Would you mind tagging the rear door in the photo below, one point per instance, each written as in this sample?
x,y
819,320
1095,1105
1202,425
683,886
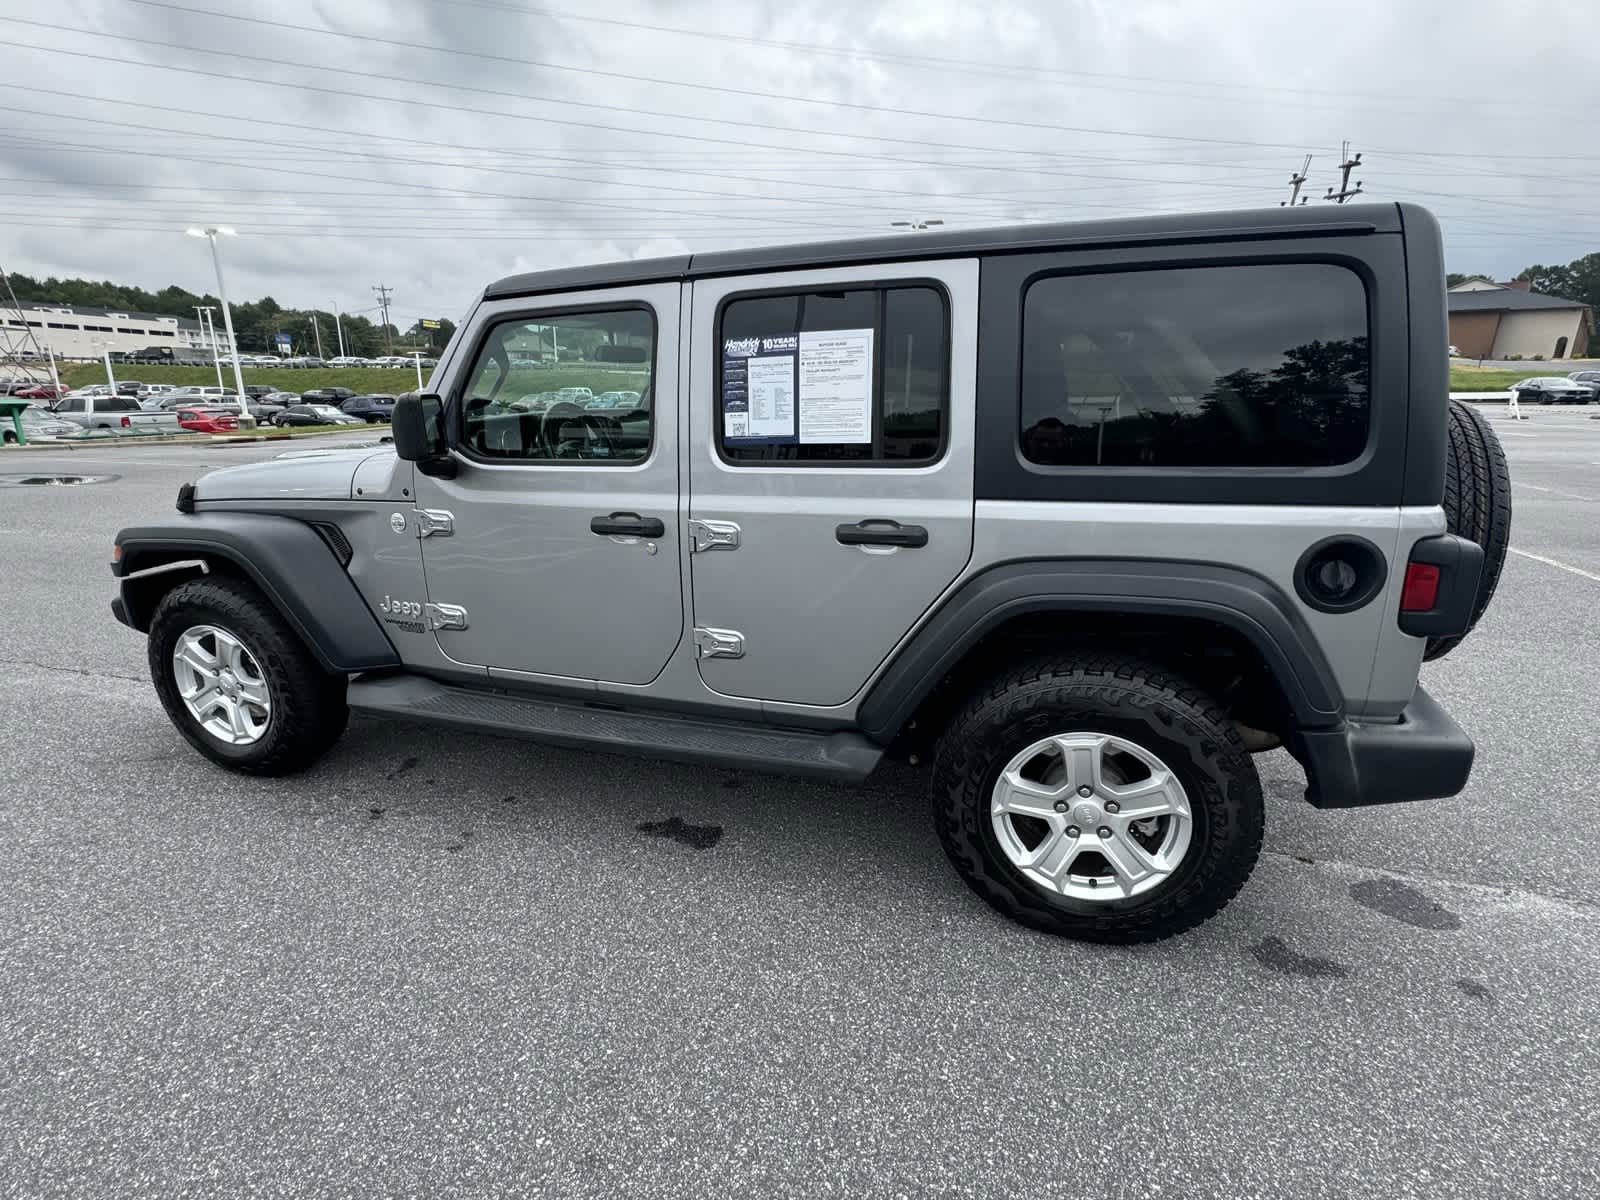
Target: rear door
x,y
554,550
830,469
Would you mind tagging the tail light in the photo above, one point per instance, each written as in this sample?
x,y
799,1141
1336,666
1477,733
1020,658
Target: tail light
x,y
1421,590
1439,592
127,424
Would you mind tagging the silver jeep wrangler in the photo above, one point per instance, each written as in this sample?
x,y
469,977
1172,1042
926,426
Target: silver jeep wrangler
x,y
1082,515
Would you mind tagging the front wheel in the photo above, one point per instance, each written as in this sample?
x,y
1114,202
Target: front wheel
x,y
238,683
1100,798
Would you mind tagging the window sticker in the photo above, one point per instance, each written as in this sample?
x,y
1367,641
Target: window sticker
x,y
758,389
836,386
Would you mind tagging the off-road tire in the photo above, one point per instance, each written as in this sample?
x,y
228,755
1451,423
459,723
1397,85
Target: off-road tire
x,y
308,704
1477,506
1128,698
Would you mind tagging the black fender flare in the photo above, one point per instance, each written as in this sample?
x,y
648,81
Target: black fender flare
x,y
286,558
1246,603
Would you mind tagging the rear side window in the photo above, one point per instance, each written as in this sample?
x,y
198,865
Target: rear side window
x,y
856,375
1237,366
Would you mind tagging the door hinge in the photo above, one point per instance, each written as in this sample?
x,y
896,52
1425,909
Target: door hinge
x,y
432,521
446,616
713,535
718,643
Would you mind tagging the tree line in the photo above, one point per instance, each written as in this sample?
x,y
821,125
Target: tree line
x,y
255,323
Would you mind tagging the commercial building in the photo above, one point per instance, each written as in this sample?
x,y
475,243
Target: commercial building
x,y
75,332
1506,320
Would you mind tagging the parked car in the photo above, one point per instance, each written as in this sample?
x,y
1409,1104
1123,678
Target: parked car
x,y
1553,389
1085,618
315,414
347,360
1589,377
258,390
372,409
192,396
102,411
208,420
614,400
40,391
329,395
38,425
158,419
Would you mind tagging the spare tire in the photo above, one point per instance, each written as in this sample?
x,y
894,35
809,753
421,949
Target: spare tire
x,y
1477,505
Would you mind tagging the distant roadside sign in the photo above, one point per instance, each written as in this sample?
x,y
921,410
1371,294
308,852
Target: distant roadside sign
x,y
427,323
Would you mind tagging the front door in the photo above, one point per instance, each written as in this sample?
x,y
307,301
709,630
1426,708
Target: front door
x,y
831,469
554,550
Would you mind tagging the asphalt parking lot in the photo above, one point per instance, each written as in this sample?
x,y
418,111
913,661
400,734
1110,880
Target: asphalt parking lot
x,y
455,966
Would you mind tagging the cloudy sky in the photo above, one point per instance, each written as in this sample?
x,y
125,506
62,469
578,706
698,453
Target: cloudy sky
x,y
432,145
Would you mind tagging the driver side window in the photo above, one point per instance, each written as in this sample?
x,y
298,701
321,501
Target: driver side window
x,y
569,387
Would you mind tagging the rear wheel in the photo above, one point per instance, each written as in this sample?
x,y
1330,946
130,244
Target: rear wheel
x,y
1098,798
1477,505
238,682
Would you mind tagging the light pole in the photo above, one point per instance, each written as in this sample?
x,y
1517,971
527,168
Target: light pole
x,y
920,223
203,314
105,356
55,377
416,356
338,330
210,233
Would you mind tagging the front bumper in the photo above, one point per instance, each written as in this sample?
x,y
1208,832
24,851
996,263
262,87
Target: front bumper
x,y
1423,756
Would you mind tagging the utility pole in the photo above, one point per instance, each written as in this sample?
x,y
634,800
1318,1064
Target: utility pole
x,y
316,332
383,303
338,330
1346,192
1296,182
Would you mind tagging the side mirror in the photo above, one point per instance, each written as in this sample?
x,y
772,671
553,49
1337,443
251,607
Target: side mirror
x,y
417,426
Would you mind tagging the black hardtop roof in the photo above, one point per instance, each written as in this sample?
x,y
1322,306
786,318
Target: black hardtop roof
x,y
1239,225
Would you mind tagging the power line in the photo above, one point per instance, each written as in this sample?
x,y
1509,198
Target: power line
x,y
544,64
345,71
344,153
1007,70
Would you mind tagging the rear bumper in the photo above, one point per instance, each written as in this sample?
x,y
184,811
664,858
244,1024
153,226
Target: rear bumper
x,y
1423,756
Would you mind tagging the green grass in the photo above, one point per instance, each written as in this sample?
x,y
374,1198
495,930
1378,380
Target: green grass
x,y
394,380
1495,379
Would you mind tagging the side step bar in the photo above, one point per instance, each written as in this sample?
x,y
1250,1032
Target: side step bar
x,y
840,756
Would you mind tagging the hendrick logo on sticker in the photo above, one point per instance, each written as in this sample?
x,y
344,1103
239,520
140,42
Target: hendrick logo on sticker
x,y
747,347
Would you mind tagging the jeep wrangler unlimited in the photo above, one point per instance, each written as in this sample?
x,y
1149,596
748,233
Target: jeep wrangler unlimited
x,y
1085,514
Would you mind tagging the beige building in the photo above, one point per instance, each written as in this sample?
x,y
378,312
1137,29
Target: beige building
x,y
1505,320
75,332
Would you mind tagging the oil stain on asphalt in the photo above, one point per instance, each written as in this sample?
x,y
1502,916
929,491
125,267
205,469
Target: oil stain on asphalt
x,y
1274,954
1404,903
701,837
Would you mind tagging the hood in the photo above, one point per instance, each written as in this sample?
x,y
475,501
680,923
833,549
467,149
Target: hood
x,y
297,475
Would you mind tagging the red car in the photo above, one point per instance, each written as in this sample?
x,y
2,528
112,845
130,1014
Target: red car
x,y
40,391
199,420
